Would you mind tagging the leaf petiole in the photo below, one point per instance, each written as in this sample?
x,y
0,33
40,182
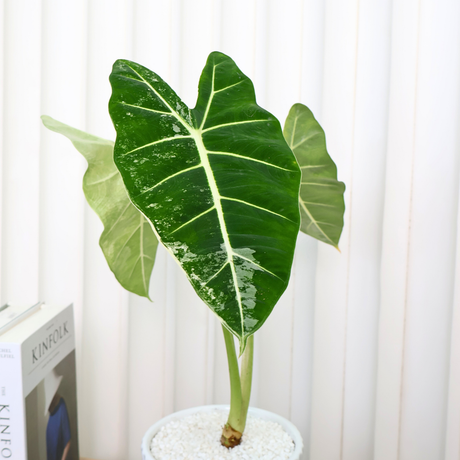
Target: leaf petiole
x,y
240,389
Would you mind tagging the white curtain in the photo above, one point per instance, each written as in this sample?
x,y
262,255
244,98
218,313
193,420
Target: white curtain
x,y
363,351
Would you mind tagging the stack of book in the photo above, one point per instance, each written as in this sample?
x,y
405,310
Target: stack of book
x,y
38,391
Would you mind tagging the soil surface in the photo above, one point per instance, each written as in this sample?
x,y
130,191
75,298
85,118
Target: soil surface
x,y
197,437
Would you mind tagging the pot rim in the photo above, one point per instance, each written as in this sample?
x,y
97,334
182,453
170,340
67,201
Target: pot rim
x,y
288,426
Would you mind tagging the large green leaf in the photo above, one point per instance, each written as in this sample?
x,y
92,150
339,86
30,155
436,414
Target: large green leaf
x,y
128,241
321,194
219,184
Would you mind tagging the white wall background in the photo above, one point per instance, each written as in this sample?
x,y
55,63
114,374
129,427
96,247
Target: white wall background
x,y
363,350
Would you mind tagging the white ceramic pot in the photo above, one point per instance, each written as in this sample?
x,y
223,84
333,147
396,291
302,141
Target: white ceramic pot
x,y
259,413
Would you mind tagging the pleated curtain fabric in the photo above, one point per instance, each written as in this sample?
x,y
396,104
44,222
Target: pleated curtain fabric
x,y
362,352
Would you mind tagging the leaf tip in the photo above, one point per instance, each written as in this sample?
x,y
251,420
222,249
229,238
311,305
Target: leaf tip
x,y
46,119
139,292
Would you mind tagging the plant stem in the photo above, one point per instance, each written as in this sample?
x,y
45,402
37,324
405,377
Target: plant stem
x,y
234,417
240,390
246,377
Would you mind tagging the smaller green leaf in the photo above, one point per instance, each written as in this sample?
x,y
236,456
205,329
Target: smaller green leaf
x,y
321,195
128,241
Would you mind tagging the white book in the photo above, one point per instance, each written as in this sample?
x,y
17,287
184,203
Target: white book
x,y
38,396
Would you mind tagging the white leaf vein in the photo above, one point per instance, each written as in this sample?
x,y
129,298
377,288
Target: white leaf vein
x,y
193,219
165,102
167,139
145,108
235,123
228,87
103,179
178,173
305,139
126,242
255,206
118,219
312,166
314,222
317,184
230,154
257,265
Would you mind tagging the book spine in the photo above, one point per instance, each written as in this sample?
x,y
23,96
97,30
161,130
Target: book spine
x,y
12,412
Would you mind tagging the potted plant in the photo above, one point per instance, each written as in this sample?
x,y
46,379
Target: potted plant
x,y
221,187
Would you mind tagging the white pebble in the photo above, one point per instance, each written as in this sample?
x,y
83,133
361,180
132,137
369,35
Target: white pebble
x,y
197,437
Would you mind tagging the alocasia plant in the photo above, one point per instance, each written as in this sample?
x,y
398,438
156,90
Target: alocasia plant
x,y
219,186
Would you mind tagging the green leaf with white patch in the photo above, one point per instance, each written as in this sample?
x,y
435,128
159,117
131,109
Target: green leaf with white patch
x,y
321,194
218,182
128,241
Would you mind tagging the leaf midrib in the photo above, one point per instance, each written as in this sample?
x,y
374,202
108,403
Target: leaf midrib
x,y
220,215
202,151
